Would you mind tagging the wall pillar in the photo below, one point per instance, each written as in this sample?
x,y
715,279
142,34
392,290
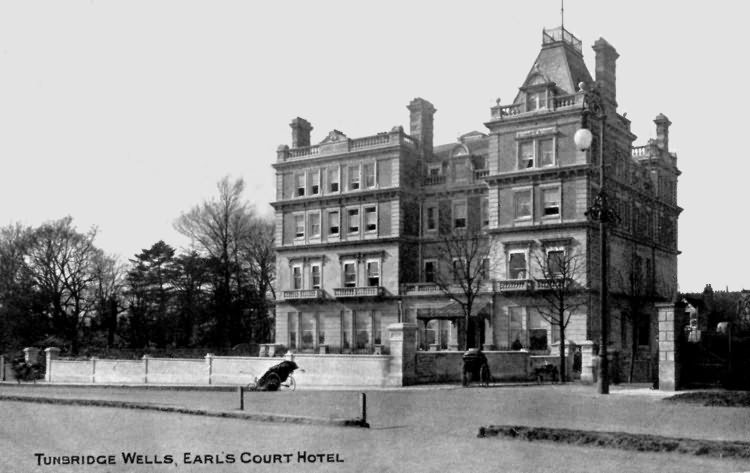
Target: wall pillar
x,y
51,354
670,325
402,367
31,355
488,342
453,336
209,366
588,371
145,368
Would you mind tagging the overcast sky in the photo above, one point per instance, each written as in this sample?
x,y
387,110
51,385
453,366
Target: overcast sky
x,y
125,114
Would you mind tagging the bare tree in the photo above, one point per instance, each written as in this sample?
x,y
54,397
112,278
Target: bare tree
x,y
559,286
633,283
61,261
109,280
468,253
218,228
260,258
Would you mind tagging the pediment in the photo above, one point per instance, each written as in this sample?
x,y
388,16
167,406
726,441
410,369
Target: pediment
x,y
334,136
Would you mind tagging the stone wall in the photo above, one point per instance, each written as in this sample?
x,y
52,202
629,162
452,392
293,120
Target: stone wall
x,y
447,366
396,369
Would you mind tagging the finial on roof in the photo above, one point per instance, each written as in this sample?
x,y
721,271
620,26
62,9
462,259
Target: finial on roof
x,y
562,14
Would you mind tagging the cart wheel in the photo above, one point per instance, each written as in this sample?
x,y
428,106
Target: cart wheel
x,y
273,382
291,384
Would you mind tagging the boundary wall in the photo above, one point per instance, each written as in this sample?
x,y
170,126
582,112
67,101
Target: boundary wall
x,y
403,366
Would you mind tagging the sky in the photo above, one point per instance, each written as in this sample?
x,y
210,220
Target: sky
x,y
126,114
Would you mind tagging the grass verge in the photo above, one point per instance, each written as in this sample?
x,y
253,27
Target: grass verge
x,y
621,440
713,398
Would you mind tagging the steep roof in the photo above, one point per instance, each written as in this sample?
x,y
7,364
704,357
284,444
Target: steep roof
x,y
559,62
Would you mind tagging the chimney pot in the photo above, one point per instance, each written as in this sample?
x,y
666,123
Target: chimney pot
x,y
606,60
421,122
300,132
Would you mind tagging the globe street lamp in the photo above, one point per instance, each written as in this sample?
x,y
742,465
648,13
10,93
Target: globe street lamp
x,y
601,213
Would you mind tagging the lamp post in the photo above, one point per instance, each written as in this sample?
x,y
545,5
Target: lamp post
x,y
601,213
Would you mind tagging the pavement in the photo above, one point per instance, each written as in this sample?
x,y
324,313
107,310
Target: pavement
x,y
428,408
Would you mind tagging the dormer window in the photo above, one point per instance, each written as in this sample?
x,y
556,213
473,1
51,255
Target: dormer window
x,y
536,101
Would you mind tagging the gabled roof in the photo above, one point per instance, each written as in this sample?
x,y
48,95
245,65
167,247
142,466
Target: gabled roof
x,y
477,146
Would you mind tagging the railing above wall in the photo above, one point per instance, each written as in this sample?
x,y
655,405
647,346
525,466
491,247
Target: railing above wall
x,y
560,34
560,102
441,179
301,294
345,145
510,285
369,291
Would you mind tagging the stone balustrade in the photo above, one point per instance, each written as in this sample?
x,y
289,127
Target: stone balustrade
x,y
553,104
302,294
509,285
392,138
369,291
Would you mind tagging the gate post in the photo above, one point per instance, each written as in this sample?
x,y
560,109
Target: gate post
x,y
402,369
52,354
671,322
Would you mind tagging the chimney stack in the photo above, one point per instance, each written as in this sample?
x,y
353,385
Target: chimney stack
x,y
662,131
420,123
606,58
300,132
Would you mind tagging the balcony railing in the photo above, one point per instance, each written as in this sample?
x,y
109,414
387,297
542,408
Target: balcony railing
x,y
434,180
560,34
442,179
345,145
370,291
432,289
552,104
498,285
512,285
302,294
421,289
